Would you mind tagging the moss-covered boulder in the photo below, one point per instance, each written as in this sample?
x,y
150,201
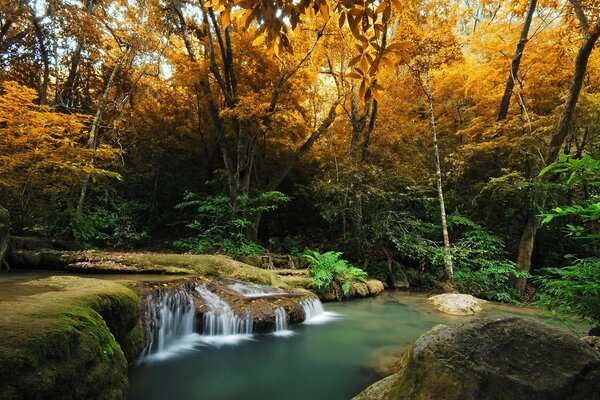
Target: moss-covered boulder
x,y
498,358
70,342
141,263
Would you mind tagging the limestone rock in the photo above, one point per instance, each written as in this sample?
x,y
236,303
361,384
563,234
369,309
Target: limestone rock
x,y
375,286
497,358
456,304
360,289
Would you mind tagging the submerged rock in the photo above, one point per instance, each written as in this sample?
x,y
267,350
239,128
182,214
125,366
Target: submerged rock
x,y
456,304
499,358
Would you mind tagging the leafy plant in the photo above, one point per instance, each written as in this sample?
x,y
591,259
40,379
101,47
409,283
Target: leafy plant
x,y
326,267
112,225
221,226
573,290
480,265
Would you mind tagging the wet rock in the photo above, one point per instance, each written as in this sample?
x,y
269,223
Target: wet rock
x,y
4,235
456,304
331,292
499,358
359,289
375,286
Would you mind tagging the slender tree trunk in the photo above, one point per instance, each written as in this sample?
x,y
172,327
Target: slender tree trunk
x,y
67,99
39,34
516,61
448,268
590,37
93,136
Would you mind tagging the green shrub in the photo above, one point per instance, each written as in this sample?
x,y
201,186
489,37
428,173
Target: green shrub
x,y
220,226
326,267
113,224
481,267
573,290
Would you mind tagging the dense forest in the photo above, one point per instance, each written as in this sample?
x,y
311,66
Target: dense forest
x,y
453,140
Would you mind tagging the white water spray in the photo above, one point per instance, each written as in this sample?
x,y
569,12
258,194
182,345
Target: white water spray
x,y
221,321
170,317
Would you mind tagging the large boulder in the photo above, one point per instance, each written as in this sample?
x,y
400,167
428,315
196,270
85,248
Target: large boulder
x,y
499,358
456,304
4,234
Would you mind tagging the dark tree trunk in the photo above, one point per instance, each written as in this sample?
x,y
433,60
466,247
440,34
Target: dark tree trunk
x,y
516,61
590,37
39,34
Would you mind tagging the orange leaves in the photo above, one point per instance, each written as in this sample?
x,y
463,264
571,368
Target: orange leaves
x,y
36,144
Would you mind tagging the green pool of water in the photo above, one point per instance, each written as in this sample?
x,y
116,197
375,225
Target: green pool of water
x,y
332,361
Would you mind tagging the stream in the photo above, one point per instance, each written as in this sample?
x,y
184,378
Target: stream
x,y
333,355
331,358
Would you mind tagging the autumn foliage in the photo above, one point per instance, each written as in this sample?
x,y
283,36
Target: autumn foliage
x,y
113,110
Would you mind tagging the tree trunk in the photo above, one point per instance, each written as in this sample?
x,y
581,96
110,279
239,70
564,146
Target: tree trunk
x,y
67,100
448,268
516,61
93,136
590,37
39,34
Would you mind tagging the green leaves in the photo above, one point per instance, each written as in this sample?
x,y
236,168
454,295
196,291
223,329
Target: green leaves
x,y
330,266
221,224
574,289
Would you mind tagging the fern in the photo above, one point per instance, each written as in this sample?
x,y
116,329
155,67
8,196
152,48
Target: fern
x,y
330,266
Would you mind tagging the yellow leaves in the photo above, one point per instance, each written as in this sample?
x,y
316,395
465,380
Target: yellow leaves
x,y
37,142
324,9
226,18
259,40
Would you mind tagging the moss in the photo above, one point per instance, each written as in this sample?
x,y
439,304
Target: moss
x,y
64,344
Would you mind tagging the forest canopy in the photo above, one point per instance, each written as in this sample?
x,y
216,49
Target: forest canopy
x,y
413,134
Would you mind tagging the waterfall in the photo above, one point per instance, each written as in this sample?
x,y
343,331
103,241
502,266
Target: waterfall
x,y
168,317
254,290
221,320
281,323
314,312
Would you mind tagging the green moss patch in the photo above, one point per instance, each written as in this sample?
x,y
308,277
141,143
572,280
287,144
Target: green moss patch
x,y
70,343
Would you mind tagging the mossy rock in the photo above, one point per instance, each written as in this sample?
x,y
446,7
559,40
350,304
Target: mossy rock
x,y
72,342
143,263
494,358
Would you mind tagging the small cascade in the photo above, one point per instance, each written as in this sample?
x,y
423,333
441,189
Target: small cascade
x,y
314,312
254,290
168,318
281,323
221,320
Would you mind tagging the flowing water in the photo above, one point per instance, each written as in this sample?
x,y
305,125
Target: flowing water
x,y
171,318
333,355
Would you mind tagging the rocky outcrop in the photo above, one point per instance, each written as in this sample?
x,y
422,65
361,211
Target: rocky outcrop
x,y
4,235
71,342
334,291
456,304
499,358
